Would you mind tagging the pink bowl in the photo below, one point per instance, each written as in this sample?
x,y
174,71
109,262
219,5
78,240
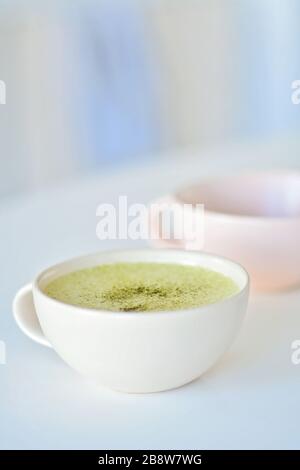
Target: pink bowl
x,y
252,218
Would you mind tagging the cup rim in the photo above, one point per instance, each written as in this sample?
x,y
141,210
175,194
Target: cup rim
x,y
235,217
155,313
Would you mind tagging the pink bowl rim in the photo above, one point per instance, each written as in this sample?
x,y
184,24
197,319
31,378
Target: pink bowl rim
x,y
176,197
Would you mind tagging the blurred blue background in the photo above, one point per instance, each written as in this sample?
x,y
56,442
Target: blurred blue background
x,y
94,86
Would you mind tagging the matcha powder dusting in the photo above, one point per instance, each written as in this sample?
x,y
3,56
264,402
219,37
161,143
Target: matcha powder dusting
x,y
141,287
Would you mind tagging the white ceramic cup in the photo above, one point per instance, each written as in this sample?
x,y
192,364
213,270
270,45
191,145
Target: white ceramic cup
x,y
135,351
251,218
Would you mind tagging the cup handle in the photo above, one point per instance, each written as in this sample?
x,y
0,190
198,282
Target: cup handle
x,y
156,237
26,317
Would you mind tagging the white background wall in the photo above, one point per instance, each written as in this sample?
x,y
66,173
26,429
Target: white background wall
x,y
98,85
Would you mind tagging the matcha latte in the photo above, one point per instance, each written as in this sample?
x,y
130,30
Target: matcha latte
x,y
140,287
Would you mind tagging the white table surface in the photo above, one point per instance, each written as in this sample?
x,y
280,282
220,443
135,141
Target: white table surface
x,y
250,399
